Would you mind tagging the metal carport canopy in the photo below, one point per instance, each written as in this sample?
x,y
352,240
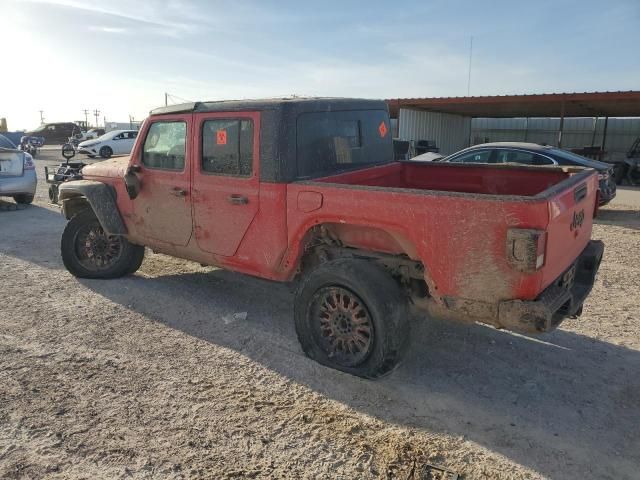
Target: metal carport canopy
x,y
588,104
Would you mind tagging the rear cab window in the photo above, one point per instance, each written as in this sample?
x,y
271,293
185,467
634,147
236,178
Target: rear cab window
x,y
164,145
331,142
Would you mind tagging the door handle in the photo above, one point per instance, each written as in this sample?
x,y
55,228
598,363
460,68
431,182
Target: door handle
x,y
178,192
237,199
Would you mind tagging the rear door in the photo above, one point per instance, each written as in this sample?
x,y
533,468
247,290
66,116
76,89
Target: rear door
x,y
226,179
162,209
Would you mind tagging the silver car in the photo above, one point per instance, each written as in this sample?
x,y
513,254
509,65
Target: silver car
x,y
17,173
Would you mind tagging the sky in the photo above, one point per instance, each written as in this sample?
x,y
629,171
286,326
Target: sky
x,y
121,56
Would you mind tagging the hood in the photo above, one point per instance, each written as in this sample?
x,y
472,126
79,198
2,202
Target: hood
x,y
113,168
88,143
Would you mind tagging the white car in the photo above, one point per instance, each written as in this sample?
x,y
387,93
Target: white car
x,y
117,142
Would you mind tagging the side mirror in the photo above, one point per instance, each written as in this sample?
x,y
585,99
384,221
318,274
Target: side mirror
x,y
132,182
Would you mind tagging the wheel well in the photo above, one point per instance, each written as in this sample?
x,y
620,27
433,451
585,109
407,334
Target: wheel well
x,y
323,244
72,206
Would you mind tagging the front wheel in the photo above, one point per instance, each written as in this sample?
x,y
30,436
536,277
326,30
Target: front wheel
x,y
89,252
106,152
352,316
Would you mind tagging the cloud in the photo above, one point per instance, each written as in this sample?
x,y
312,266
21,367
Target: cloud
x,y
160,19
98,28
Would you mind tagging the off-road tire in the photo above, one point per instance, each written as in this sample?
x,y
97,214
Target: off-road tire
x,y
382,297
23,199
106,152
129,260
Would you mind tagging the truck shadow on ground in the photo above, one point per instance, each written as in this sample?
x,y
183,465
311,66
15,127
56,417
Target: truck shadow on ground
x,y
545,402
625,218
32,233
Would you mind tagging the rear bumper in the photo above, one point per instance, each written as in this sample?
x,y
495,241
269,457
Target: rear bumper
x,y
24,184
563,298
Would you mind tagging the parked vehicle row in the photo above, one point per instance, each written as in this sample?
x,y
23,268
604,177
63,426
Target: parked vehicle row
x,y
307,191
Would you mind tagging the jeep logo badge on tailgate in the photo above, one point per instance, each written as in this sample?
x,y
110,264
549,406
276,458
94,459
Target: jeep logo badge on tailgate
x,y
578,218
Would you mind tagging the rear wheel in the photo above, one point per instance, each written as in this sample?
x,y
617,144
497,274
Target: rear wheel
x,y
352,316
23,199
89,252
106,152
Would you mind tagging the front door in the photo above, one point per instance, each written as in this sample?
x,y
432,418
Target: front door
x,y
226,181
162,209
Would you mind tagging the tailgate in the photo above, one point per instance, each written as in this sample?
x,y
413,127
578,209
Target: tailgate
x,y
11,163
569,230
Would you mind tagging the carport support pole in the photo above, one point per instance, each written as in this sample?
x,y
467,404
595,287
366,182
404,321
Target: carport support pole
x,y
526,129
604,133
561,125
593,134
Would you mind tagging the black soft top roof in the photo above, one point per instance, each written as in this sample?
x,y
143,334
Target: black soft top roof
x,y
302,104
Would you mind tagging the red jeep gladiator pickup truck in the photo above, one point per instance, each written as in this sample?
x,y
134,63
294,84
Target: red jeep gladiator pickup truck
x,y
307,190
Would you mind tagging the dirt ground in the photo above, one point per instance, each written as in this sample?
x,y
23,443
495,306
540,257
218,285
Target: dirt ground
x,y
157,376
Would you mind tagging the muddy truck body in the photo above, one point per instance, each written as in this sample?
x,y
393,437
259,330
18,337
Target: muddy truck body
x,y
307,191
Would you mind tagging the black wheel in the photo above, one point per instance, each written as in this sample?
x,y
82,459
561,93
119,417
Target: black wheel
x,y
53,193
619,172
106,152
352,316
88,252
23,199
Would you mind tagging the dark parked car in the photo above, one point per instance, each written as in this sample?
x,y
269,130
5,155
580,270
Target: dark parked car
x,y
534,154
54,133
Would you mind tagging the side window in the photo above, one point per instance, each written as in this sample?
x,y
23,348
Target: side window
x,y
227,147
540,160
164,146
481,156
335,141
118,137
523,158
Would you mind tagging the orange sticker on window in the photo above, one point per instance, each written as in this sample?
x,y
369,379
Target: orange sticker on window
x,y
382,129
221,137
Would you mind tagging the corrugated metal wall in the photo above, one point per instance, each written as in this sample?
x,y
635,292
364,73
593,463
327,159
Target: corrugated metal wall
x,y
578,132
450,132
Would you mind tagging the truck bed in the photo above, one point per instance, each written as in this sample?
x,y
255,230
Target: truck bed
x,y
456,220
462,178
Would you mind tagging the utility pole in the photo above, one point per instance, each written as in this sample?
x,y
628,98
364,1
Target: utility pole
x,y
96,113
86,118
41,116
470,57
166,99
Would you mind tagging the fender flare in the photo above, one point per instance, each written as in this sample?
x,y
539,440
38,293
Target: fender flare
x,y
100,197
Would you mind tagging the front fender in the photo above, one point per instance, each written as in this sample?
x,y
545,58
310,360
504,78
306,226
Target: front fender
x,y
100,197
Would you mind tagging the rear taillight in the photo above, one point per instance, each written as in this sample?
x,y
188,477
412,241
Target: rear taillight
x,y
526,248
28,162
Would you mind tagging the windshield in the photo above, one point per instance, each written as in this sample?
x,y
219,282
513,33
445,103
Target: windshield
x,y
41,128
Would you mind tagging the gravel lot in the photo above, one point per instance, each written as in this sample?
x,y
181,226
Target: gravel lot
x,y
152,376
